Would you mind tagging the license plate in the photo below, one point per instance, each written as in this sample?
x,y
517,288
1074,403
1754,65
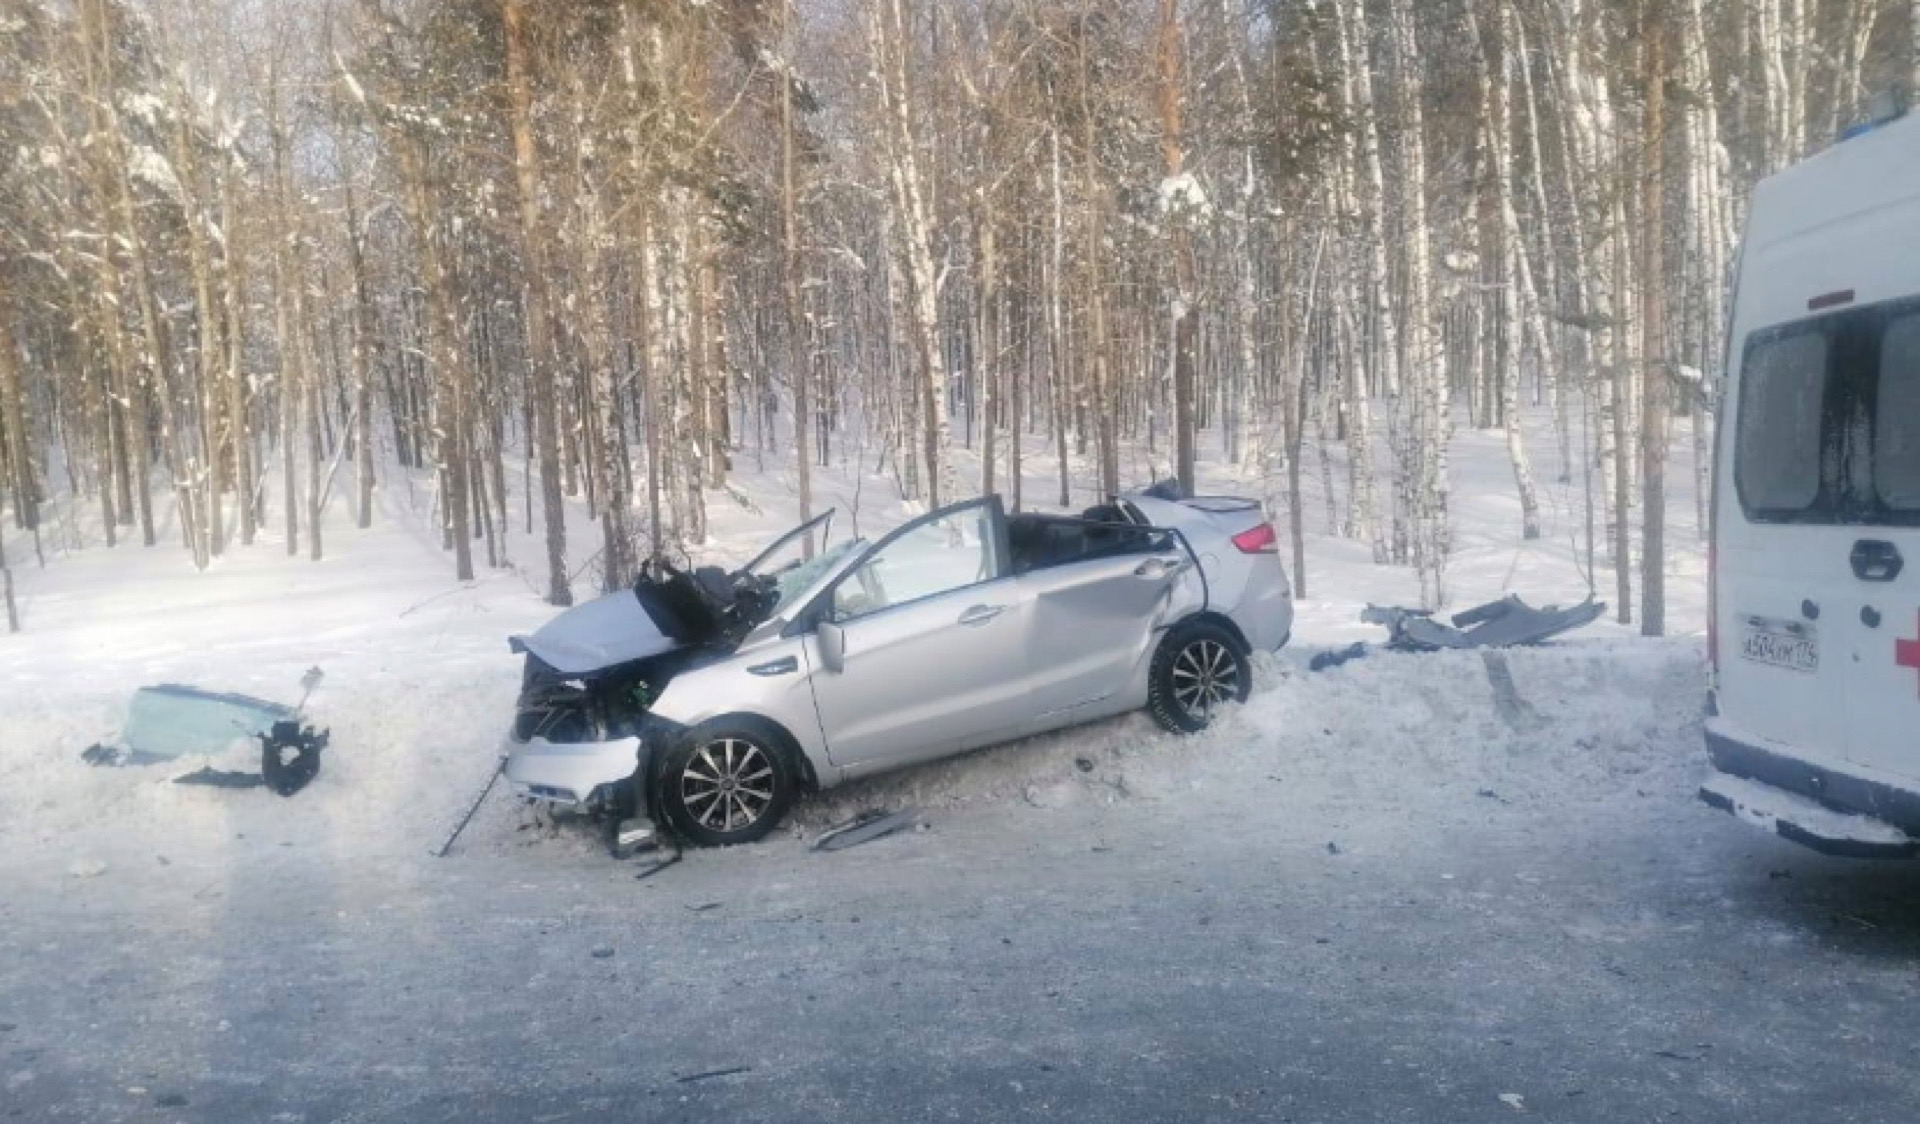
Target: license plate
x,y
1792,645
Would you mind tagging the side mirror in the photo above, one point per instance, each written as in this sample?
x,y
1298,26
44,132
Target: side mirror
x,y
833,645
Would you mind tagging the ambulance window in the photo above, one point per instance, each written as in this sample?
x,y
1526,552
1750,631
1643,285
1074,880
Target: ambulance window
x,y
1783,383
1896,438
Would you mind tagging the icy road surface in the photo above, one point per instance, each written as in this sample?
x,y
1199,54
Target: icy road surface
x,y
1377,893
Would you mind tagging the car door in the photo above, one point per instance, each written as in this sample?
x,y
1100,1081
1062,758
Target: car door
x,y
931,638
1091,621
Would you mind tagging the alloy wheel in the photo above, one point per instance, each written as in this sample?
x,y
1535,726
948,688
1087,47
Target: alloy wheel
x,y
727,785
1205,675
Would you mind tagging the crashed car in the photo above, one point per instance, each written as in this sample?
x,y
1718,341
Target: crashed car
x,y
712,699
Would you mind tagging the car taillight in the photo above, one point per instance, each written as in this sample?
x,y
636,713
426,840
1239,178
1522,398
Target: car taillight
x,y
1257,540
1713,605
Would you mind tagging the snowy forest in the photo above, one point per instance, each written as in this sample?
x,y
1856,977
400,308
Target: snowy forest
x,y
258,260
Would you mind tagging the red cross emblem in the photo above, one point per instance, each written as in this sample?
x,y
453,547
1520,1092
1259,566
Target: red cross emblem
x,y
1906,653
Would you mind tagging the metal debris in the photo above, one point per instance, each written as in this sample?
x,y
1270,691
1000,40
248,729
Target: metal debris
x,y
869,825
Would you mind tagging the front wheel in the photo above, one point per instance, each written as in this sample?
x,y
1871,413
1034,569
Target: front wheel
x,y
1198,668
728,781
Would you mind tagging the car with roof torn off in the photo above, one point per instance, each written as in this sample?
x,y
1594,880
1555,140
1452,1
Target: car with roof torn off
x,y
713,699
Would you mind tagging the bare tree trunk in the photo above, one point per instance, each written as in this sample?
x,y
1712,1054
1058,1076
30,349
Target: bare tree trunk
x,y
790,278
1105,406
449,415
988,360
239,393
1365,173
207,486
1512,257
6,587
1551,356
1056,320
1290,413
365,339
1432,417
13,421
1178,200
888,38
1653,426
541,384
286,327
1620,410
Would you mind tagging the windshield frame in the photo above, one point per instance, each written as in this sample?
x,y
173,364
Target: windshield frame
x,y
824,518
777,622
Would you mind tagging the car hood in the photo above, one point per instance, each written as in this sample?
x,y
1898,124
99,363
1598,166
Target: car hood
x,y
602,633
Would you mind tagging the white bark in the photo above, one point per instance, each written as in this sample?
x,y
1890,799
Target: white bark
x,y
1362,168
887,38
1524,303
1429,391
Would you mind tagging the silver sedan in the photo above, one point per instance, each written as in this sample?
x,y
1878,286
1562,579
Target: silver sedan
x,y
714,699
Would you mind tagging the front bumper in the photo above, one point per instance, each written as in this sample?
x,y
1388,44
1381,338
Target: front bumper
x,y
1831,810
572,774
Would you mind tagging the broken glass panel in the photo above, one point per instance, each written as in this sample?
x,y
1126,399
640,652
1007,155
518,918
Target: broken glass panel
x,y
170,721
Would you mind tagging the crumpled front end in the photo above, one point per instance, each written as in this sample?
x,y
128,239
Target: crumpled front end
x,y
585,775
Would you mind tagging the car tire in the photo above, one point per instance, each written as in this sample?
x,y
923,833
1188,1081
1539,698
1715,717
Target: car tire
x,y
1198,667
725,782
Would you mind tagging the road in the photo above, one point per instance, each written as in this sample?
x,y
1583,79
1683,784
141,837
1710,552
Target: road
x,y
1147,960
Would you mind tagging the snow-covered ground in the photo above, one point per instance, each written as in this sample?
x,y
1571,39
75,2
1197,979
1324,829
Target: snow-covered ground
x,y
419,681
1384,891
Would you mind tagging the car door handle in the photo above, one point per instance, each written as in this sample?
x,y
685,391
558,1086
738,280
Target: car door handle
x,y
785,665
1154,569
1876,561
981,614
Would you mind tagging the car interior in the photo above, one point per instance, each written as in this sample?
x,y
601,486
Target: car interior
x,y
1039,542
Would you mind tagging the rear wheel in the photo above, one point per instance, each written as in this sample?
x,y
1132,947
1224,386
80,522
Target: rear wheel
x,y
1198,668
728,781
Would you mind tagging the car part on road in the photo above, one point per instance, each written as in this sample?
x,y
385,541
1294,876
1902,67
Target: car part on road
x,y
1506,623
493,777
290,756
1334,657
1198,668
171,721
221,778
865,827
656,866
725,782
627,838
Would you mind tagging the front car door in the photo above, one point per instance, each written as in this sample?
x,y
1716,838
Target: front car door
x,y
932,643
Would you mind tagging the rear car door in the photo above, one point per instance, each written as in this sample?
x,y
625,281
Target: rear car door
x,y
1091,617
933,643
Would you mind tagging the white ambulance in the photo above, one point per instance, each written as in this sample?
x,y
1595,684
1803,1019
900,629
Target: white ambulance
x,y
1813,721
